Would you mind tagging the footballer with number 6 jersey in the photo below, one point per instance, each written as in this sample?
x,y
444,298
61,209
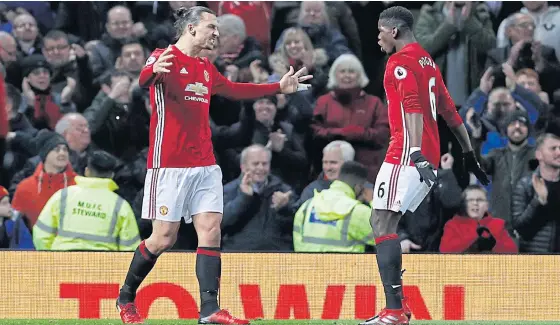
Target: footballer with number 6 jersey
x,y
416,95
183,180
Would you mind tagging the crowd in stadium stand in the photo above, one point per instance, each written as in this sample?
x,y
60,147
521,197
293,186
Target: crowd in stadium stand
x,y
72,116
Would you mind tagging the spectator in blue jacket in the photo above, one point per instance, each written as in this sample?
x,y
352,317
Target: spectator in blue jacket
x,y
490,103
14,233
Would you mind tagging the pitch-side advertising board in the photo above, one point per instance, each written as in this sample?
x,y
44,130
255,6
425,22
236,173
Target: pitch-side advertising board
x,y
283,286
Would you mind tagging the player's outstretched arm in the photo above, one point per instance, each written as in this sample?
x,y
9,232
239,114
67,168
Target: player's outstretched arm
x,y
290,83
156,67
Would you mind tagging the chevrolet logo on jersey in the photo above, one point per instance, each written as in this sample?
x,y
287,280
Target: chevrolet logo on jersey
x,y
197,88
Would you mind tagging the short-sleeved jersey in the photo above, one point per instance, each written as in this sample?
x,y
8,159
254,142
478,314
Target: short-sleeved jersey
x,y
413,84
180,135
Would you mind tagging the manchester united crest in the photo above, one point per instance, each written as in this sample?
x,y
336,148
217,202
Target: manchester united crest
x,y
163,210
206,76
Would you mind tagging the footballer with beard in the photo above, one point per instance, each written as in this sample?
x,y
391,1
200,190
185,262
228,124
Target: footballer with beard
x,y
183,180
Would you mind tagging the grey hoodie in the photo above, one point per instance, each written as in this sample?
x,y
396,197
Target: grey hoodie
x,y
547,29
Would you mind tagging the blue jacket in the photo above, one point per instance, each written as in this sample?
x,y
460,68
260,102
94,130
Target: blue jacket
x,y
20,237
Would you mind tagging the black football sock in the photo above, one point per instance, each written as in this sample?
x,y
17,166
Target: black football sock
x,y
402,272
142,263
389,260
208,273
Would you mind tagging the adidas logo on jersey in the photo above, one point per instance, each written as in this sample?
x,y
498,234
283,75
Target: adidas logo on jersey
x,y
184,71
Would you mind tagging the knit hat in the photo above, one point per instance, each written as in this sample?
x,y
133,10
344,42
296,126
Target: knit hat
x,y
46,141
102,161
3,192
518,115
33,62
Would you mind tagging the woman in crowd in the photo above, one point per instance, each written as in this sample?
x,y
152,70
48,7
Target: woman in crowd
x,y
349,113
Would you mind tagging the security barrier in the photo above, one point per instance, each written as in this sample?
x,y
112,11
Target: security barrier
x,y
283,286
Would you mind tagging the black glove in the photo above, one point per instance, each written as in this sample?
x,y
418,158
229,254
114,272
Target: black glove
x,y
424,168
472,165
485,241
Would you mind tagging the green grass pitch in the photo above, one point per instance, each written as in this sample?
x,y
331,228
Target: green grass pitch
x,y
270,322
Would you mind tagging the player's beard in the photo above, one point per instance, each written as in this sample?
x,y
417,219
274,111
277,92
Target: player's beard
x,y
390,52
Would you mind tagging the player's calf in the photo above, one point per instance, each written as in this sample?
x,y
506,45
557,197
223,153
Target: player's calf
x,y
389,260
142,263
208,261
163,237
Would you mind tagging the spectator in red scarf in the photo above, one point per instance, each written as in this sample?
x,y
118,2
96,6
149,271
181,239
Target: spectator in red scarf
x,y
236,49
44,106
474,230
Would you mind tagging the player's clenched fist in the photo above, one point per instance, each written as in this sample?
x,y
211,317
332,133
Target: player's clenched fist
x,y
163,62
425,169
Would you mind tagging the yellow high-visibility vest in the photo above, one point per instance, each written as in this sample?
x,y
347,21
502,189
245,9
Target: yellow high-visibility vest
x,y
333,221
87,216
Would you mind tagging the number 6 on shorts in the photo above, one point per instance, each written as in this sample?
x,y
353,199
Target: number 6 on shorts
x,y
398,188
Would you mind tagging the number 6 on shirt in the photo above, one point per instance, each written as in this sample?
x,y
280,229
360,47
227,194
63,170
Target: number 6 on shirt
x,y
431,85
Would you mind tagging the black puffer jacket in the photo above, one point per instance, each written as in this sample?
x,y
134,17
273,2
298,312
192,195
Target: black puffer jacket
x,y
506,168
537,225
251,224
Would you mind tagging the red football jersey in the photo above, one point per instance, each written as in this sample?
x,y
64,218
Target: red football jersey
x,y
413,84
180,135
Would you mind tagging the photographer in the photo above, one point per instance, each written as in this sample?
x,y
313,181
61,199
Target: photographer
x,y
525,52
474,230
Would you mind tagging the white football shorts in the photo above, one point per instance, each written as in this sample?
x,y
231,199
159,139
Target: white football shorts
x,y
174,193
398,188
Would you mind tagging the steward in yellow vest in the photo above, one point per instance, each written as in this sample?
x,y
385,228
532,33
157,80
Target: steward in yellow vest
x,y
89,215
335,220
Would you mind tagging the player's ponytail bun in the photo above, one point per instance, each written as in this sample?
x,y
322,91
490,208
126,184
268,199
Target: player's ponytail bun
x,y
180,13
185,16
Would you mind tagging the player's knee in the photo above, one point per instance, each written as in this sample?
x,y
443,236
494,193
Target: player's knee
x,y
160,243
210,235
207,227
383,223
376,225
